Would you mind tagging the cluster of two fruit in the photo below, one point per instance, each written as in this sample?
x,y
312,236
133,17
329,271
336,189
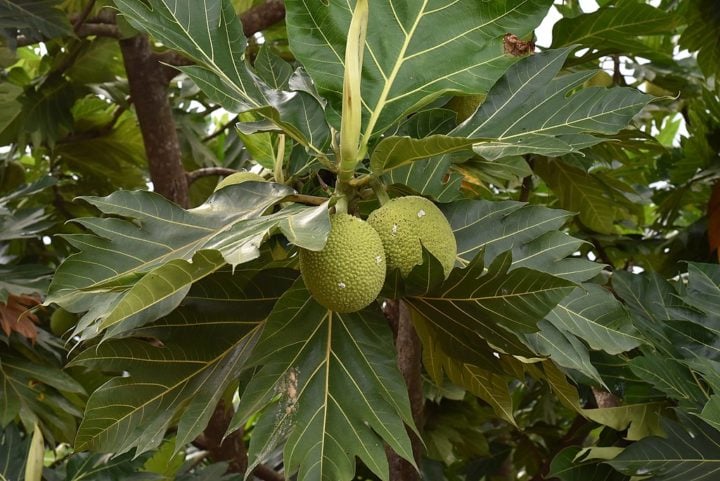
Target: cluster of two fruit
x,y
349,272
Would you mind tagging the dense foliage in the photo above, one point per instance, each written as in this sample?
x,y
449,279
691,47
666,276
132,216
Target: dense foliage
x,y
162,319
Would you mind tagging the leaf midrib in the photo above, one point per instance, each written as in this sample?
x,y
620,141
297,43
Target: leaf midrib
x,y
210,363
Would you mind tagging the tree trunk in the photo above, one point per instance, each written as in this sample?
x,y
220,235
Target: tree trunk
x,y
149,92
409,359
713,215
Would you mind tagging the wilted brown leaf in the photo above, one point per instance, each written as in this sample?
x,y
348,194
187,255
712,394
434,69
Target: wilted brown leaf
x,y
517,47
16,316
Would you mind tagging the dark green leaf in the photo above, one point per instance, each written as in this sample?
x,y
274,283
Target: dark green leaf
x,y
36,19
564,349
213,37
394,152
427,177
549,253
23,279
405,67
566,467
711,412
123,152
703,292
24,223
614,28
29,390
46,112
13,453
651,299
489,386
102,276
99,467
335,390
600,205
530,110
10,106
476,305
202,348
671,378
272,68
500,226
690,452
428,122
703,24
640,420
595,316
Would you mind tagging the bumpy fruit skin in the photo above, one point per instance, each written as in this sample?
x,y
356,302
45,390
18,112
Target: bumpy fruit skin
x,y
405,224
349,272
239,178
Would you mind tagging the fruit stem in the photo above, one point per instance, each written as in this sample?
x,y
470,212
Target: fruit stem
x,y
379,189
362,180
307,199
341,206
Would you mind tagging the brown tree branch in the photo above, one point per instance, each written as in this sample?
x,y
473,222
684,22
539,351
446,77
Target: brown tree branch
x,y
267,474
98,29
149,92
101,25
232,448
526,188
105,15
409,359
207,172
77,21
220,129
262,16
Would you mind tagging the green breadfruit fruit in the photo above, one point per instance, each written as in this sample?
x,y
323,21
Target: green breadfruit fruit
x,y
349,272
405,224
62,321
239,178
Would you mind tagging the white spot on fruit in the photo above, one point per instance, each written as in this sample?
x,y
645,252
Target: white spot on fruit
x,y
394,229
421,214
378,259
342,285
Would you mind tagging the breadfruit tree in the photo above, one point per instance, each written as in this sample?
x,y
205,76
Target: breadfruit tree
x,y
368,239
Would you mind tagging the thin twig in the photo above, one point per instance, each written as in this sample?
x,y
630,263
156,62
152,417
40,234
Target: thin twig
x,y
262,16
307,199
98,29
409,360
83,15
617,76
602,253
220,129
